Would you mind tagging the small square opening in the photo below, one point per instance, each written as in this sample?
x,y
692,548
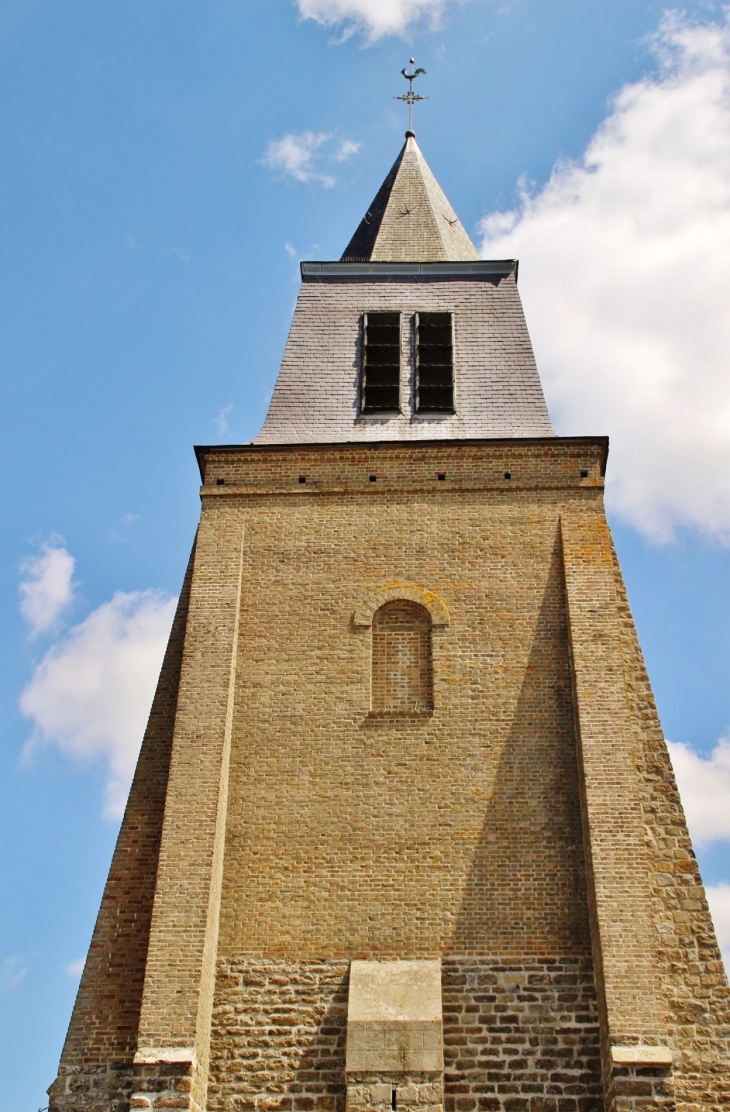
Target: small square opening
x,y
441,476
372,478
220,482
302,478
508,474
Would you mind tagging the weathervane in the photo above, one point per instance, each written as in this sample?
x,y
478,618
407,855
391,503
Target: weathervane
x,y
410,97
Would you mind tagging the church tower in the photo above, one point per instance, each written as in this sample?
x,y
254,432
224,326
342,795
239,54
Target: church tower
x,y
404,835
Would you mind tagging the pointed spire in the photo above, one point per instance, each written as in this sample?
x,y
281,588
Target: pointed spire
x,y
410,219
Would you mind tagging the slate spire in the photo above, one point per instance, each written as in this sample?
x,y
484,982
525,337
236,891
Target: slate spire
x,y
410,219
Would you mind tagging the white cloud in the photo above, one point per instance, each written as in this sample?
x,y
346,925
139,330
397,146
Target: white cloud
x,y
305,155
12,971
626,280
48,587
91,694
704,785
375,18
222,419
293,155
75,968
718,897
346,149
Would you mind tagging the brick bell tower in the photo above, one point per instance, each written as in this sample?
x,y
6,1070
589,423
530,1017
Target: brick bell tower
x,y
404,834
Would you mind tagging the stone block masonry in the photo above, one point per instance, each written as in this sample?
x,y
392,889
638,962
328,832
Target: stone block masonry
x,y
521,1036
518,1037
395,1054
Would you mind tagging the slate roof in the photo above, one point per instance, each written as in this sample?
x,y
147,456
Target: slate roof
x,y
410,218
410,254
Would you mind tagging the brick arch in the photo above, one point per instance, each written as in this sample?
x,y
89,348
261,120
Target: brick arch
x,y
408,592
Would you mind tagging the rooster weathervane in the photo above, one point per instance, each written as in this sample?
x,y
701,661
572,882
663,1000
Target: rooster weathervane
x,y
410,97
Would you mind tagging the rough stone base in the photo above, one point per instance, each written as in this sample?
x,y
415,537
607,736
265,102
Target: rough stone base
x,y
369,1092
92,1089
168,1087
122,1088
521,1037
518,1037
641,1089
279,1034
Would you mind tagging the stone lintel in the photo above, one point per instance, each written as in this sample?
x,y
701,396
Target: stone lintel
x,y
159,1055
659,1056
394,1017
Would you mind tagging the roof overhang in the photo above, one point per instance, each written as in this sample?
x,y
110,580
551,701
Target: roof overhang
x,y
484,268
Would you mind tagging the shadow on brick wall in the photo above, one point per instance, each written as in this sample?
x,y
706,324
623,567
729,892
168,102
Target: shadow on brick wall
x,y
525,894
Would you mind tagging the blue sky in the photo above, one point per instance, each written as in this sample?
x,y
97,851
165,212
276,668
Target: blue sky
x,y
165,168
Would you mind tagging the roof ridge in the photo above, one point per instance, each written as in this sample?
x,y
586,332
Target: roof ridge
x,y
429,200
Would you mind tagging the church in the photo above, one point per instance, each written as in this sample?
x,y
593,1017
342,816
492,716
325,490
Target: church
x,y
404,832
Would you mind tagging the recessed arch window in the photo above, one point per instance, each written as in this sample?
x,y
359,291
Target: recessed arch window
x,y
402,667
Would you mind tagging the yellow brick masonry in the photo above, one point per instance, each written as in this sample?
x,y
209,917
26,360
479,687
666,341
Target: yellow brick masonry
x,y
631,994
177,1005
461,830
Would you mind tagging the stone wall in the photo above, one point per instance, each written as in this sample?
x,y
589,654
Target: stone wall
x,y
518,1037
391,1092
279,1036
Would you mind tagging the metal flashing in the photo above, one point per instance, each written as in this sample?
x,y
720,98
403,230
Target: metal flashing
x,y
484,268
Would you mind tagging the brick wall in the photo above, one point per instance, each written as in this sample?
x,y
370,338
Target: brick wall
x,y
457,831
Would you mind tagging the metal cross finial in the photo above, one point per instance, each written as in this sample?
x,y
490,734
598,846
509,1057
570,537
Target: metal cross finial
x,y
410,97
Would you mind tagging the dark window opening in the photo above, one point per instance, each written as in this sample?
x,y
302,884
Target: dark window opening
x,y
220,482
434,363
508,474
393,1104
372,478
302,478
584,474
381,362
441,476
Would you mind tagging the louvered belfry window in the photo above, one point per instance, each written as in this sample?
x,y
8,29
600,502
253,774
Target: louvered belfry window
x,y
381,362
434,363
402,669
